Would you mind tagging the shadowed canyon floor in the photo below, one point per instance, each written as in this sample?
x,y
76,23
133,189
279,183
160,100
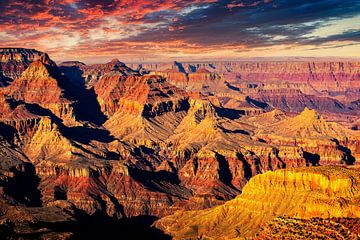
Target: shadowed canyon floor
x,y
126,145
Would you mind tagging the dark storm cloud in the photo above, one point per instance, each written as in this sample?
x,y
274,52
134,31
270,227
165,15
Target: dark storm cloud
x,y
261,24
175,25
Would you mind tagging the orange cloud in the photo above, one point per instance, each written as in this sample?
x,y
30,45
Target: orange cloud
x,y
90,29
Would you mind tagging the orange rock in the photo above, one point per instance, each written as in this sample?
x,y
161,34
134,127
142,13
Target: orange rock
x,y
303,193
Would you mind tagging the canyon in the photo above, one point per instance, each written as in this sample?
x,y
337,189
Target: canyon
x,y
190,144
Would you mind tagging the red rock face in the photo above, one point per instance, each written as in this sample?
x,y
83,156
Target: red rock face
x,y
13,61
199,80
41,84
323,75
148,95
91,74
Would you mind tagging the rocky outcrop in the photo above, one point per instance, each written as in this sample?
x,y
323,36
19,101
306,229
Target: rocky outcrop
x,y
110,188
201,80
14,61
91,74
43,85
148,95
304,193
322,142
148,108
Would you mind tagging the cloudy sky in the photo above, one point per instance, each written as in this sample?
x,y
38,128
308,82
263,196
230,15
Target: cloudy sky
x,y
161,30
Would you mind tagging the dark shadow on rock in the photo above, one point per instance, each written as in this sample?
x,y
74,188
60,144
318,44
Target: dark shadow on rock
x,y
161,181
241,131
257,103
74,74
4,81
86,134
23,187
347,157
311,158
247,167
232,87
180,67
98,227
80,134
86,106
224,170
192,68
150,178
59,193
230,113
8,132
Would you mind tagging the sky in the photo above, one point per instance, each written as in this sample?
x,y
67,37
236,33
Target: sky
x,y
162,30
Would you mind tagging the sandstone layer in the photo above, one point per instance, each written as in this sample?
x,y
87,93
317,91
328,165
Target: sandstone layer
x,y
303,193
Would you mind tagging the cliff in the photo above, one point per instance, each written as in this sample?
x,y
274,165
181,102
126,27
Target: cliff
x,y
14,61
303,193
91,74
42,84
320,74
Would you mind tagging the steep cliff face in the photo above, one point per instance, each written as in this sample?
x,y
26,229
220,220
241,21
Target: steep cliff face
x,y
150,95
14,61
109,188
200,80
148,109
300,193
42,84
322,75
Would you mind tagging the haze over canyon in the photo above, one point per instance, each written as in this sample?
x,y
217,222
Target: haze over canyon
x,y
213,120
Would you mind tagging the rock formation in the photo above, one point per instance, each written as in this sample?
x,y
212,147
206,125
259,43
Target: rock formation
x,y
329,87
322,75
91,74
13,61
313,134
42,84
303,193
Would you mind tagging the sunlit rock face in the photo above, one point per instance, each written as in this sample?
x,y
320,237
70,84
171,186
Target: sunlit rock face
x,y
295,228
14,61
303,193
318,138
42,84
